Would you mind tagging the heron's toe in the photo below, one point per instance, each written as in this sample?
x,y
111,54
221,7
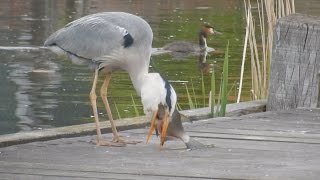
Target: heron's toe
x,y
124,141
109,143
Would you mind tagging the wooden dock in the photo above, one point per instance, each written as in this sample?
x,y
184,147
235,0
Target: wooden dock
x,y
270,145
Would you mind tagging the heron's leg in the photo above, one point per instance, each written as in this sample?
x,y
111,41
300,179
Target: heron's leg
x,y
93,99
103,94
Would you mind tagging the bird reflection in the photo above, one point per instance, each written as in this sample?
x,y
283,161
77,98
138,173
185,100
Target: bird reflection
x,y
204,66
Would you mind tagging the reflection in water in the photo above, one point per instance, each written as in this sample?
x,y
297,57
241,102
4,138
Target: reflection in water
x,y
204,66
22,97
31,73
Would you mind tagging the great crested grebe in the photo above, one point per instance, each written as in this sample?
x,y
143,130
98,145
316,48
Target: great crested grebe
x,y
186,48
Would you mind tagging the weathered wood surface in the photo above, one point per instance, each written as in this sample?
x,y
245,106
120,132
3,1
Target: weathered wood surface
x,y
271,145
295,67
235,109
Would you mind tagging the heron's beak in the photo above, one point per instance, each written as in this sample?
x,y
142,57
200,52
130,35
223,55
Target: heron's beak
x,y
160,124
152,125
163,128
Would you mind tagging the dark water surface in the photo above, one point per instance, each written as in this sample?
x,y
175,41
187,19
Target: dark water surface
x,y
40,90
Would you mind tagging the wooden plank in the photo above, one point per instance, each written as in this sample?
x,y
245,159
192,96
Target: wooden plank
x,y
256,138
243,143
232,144
280,136
222,162
272,133
242,150
123,124
60,173
202,164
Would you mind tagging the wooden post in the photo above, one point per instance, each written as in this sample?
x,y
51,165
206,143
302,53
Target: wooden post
x,y
295,66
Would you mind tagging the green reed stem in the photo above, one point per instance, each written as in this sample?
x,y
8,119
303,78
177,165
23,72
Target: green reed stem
x,y
203,90
213,92
135,106
118,113
225,82
191,105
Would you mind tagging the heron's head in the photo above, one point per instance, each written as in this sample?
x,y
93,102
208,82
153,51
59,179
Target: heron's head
x,y
159,101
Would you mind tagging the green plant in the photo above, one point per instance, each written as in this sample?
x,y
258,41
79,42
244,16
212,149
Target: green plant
x,y
224,86
203,90
194,95
135,106
213,93
118,113
219,108
191,105
178,107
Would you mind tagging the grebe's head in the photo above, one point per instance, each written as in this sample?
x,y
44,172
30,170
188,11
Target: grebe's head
x,y
207,29
159,100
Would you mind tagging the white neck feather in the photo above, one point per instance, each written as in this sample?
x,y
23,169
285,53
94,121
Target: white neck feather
x,y
150,86
138,71
137,77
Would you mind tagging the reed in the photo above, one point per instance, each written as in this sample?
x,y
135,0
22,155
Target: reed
x,y
260,48
118,113
224,86
135,106
191,105
212,102
194,95
203,90
178,107
219,108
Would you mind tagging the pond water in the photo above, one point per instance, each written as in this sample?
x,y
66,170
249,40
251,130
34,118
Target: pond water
x,y
39,90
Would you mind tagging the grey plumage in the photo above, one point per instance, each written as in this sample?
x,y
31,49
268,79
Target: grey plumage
x,y
99,37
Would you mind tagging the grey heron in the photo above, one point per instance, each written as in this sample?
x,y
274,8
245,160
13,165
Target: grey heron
x,y
186,47
111,41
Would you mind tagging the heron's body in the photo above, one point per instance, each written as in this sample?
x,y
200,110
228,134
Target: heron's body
x,y
109,41
113,41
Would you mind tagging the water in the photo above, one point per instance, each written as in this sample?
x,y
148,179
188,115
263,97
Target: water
x,y
39,90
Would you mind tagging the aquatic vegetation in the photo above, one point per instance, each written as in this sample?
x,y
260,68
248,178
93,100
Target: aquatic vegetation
x,y
191,105
212,95
117,110
260,36
135,107
219,108
224,84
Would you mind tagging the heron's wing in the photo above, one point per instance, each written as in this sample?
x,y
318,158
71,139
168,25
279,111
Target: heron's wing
x,y
90,37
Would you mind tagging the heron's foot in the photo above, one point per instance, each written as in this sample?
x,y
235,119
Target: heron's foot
x,y
102,142
118,139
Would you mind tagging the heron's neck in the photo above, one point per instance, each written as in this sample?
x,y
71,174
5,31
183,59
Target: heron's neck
x,y
137,74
